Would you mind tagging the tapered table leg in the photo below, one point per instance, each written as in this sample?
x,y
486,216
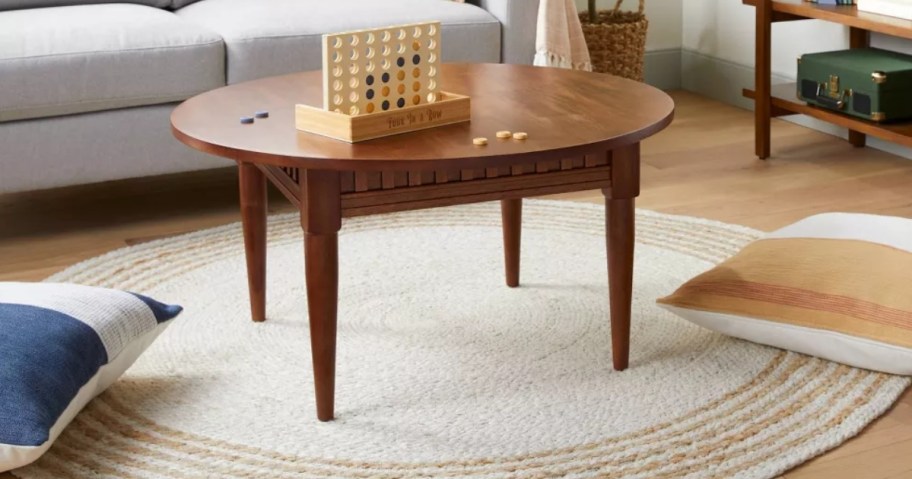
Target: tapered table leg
x,y
253,216
321,256
620,226
321,218
511,215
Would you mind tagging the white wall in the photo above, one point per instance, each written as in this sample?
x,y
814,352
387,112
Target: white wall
x,y
724,29
665,20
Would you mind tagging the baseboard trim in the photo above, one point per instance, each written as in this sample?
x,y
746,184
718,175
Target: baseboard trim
x,y
723,80
662,68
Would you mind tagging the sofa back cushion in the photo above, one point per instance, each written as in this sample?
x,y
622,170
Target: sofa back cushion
x,y
25,4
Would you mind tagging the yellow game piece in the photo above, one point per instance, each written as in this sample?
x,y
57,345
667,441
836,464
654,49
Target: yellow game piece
x,y
504,134
520,135
480,141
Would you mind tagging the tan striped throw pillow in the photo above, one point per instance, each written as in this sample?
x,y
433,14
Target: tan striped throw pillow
x,y
835,285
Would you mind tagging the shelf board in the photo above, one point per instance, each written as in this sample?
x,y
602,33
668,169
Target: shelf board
x,y
785,99
844,14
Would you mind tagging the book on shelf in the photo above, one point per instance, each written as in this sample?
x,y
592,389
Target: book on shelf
x,y
891,8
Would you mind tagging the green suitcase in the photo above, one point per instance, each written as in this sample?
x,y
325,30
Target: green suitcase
x,y
866,82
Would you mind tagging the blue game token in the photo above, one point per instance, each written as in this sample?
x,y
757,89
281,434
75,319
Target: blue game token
x,y
261,114
385,77
416,59
400,62
370,93
246,120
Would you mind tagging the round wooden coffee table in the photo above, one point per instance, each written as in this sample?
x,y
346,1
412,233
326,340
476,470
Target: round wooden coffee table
x,y
584,133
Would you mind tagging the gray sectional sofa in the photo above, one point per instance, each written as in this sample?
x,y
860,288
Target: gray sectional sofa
x,y
86,90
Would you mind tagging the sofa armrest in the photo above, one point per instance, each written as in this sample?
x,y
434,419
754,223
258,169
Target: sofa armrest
x,y
518,20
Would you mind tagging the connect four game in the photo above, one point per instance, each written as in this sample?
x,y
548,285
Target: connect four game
x,y
383,69
381,82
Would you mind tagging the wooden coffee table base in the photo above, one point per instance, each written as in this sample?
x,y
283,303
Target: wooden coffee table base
x,y
324,197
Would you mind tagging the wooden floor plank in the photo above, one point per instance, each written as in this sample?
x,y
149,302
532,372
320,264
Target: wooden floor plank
x,y
703,165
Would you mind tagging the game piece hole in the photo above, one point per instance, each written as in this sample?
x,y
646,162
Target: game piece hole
x,y
337,71
337,85
386,64
416,45
432,57
370,108
400,88
386,50
400,75
432,29
385,90
353,82
354,55
432,43
432,84
402,34
337,110
337,43
416,32
432,97
400,49
337,57
337,99
417,86
370,67
354,41
354,97
354,110
416,72
432,72
416,99
385,36
369,52
353,68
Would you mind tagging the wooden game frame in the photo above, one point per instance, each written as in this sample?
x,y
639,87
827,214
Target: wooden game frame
x,y
382,81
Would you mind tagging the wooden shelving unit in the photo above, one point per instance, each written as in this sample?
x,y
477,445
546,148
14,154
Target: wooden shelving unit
x,y
772,101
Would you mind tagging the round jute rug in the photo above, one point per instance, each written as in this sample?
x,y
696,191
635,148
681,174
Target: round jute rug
x,y
443,371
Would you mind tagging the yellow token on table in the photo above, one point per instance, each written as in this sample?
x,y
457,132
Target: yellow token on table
x,y
504,134
480,141
520,135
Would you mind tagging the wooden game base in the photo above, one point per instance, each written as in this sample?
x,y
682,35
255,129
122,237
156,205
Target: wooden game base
x,y
450,108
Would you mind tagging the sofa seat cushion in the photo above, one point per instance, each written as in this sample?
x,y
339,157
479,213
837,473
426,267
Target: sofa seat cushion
x,y
273,37
63,60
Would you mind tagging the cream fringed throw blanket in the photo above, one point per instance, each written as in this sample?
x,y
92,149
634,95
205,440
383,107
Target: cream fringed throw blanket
x,y
559,39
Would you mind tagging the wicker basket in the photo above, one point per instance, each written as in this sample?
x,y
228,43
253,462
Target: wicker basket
x,y
617,42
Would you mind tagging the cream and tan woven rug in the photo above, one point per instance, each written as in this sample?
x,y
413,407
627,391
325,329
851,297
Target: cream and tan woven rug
x,y
445,372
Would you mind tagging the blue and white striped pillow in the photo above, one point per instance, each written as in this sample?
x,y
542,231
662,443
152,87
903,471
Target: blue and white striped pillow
x,y
60,346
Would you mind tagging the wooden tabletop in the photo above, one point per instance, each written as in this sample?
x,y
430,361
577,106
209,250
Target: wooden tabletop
x,y
566,113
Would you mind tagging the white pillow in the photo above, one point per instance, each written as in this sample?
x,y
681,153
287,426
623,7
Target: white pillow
x,y
60,346
835,285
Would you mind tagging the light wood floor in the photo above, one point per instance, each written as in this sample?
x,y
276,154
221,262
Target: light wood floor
x,y
702,165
